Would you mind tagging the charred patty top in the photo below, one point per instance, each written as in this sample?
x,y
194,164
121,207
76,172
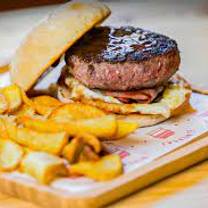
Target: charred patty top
x,y
124,58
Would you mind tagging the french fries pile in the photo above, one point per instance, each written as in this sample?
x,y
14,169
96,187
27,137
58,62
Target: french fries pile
x,y
47,139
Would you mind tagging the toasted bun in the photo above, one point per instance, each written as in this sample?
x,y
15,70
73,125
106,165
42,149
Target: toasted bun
x,y
143,120
50,39
151,120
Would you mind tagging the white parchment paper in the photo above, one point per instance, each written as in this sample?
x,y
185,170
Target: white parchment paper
x,y
147,144
142,147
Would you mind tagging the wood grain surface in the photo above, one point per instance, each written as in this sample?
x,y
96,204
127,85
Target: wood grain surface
x,y
185,21
187,189
166,165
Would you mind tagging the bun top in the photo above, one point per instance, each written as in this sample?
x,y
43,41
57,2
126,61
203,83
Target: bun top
x,y
52,37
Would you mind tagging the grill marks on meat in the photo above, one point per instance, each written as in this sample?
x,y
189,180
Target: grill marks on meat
x,y
138,96
115,45
123,59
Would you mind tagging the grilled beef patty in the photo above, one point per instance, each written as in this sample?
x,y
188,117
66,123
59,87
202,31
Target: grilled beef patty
x,y
125,58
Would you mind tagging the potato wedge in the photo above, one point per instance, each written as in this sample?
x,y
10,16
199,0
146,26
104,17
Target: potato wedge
x,y
42,166
88,154
102,127
92,141
106,168
75,111
3,131
72,150
49,142
11,155
125,128
44,105
83,145
27,150
13,96
4,105
26,99
25,110
10,127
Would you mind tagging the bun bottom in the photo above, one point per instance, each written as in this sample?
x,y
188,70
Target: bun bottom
x,y
151,120
143,120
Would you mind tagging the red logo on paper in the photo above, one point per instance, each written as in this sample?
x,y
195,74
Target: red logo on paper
x,y
161,133
123,154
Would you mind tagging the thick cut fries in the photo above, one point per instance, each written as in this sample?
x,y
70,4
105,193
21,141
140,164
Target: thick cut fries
x,y
49,142
92,141
10,155
106,168
75,111
125,128
13,96
3,131
102,127
85,146
4,105
42,166
10,127
25,110
72,151
35,135
26,100
44,105
88,154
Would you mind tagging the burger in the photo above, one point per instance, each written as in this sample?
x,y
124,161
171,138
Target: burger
x,y
126,70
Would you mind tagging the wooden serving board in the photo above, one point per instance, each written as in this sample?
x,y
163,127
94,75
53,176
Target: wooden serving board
x,y
126,184
149,155
187,22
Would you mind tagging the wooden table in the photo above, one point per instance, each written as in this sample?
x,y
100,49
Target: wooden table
x,y
185,22
188,189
